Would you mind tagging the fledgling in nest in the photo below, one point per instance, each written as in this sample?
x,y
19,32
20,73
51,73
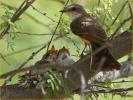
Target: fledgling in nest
x,y
49,57
64,58
31,79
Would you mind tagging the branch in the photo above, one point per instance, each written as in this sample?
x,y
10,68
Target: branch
x,y
4,59
122,8
111,90
23,7
35,34
121,25
45,14
60,1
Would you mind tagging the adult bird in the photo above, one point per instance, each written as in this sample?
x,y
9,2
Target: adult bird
x,y
90,31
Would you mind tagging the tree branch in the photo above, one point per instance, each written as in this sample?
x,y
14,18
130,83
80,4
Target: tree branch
x,y
23,7
111,90
122,45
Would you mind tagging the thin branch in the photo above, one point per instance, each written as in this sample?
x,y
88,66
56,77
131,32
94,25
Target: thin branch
x,y
119,27
110,90
130,9
23,7
4,59
35,34
56,27
122,8
131,13
123,81
44,14
73,43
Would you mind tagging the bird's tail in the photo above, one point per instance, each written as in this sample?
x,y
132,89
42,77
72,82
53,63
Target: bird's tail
x,y
110,62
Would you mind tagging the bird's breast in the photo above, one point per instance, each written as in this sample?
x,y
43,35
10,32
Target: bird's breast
x,y
86,41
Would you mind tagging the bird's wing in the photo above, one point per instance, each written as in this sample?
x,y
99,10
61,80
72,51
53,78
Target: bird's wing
x,y
88,28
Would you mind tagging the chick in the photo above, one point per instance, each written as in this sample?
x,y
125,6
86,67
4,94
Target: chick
x,y
64,58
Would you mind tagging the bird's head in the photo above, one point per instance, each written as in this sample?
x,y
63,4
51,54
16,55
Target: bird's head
x,y
53,52
74,11
63,54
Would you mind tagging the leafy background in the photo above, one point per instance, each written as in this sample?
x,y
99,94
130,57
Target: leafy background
x,y
105,11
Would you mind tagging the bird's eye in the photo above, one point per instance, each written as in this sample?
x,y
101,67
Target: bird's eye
x,y
73,8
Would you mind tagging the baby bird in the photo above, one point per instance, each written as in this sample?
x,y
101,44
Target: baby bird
x,y
64,58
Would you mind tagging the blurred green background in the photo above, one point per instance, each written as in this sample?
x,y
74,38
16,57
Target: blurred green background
x,y
34,22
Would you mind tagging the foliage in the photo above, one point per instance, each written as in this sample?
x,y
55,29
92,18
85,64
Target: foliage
x,y
55,84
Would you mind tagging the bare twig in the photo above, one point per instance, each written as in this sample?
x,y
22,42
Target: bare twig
x,y
131,13
121,25
123,81
122,8
35,34
45,14
110,90
4,59
124,21
61,1
130,9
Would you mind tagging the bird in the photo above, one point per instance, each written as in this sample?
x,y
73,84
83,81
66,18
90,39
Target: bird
x,y
63,57
49,57
90,31
32,78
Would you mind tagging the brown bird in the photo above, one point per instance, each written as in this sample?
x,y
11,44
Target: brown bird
x,y
90,31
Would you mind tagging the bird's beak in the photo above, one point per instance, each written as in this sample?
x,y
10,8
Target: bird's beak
x,y
62,11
